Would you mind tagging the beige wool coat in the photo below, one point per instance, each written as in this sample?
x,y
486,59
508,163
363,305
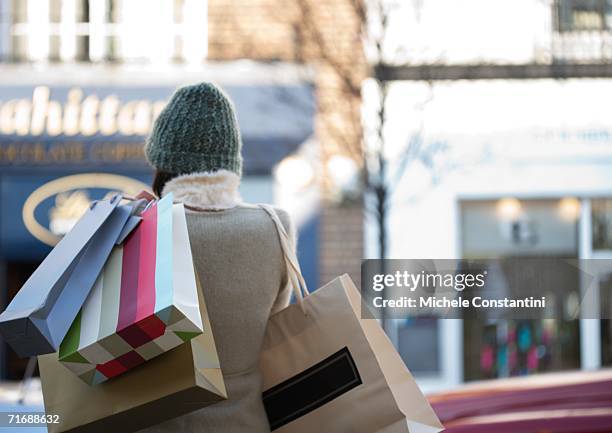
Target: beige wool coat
x,y
238,258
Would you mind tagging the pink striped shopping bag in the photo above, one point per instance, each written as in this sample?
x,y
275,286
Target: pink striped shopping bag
x,y
143,304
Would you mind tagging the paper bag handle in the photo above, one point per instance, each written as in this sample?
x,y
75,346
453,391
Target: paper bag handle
x,y
294,273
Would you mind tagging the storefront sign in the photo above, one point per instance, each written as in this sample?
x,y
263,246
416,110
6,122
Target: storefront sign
x,y
70,152
81,112
77,125
91,127
63,145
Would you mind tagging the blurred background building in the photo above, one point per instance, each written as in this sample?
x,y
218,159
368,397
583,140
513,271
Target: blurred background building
x,y
476,128
504,108
81,82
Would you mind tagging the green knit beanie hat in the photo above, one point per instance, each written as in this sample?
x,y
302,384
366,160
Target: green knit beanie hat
x,y
196,131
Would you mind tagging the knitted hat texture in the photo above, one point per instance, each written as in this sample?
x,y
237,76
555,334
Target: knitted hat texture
x,y
196,131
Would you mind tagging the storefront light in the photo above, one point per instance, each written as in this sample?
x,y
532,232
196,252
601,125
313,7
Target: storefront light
x,y
509,209
569,208
294,172
342,170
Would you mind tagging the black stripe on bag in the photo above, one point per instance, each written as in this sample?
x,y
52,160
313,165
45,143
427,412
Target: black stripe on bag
x,y
311,388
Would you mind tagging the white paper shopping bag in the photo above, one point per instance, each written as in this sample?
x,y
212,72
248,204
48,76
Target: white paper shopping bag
x,y
326,368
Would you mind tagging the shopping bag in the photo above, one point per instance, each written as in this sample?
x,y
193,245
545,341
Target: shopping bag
x,y
38,317
135,312
185,379
180,381
326,368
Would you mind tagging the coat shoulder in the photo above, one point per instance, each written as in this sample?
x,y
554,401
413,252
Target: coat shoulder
x,y
283,215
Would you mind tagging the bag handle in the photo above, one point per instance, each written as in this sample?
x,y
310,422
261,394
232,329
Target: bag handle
x,y
294,273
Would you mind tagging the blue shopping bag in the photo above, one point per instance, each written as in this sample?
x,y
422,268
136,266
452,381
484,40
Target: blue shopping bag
x,y
39,316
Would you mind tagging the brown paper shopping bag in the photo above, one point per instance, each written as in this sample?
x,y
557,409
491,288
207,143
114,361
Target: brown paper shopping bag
x,y
180,381
326,368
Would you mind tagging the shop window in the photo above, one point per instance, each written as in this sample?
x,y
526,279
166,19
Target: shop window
x,y
509,227
582,15
513,228
519,347
107,30
601,222
605,290
421,333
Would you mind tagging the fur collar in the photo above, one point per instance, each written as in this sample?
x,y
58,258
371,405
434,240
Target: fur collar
x,y
216,190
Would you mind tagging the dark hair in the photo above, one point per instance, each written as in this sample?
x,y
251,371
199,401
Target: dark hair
x,y
159,181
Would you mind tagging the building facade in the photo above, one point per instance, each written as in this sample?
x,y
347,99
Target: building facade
x,y
326,37
81,82
507,168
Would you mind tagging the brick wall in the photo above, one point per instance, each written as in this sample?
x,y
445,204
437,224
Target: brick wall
x,y
341,242
324,35
254,29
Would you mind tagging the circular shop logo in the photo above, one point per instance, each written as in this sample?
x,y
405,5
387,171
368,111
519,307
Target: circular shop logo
x,y
71,201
